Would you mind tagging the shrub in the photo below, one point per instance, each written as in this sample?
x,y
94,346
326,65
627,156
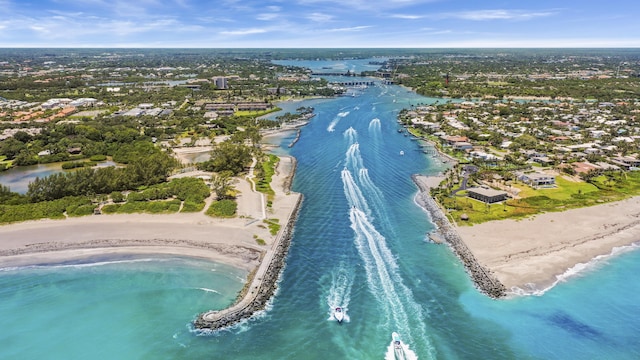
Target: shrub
x,y
222,208
192,206
81,210
135,196
111,208
274,227
72,165
98,158
117,196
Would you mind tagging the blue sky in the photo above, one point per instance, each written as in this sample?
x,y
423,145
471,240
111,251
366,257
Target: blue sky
x,y
319,23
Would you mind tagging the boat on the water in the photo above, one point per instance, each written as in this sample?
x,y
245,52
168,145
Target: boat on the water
x,y
398,349
401,152
338,313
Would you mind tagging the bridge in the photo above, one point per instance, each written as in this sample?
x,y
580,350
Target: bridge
x,y
354,83
333,74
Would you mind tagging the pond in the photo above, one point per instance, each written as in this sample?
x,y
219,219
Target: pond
x,y
18,178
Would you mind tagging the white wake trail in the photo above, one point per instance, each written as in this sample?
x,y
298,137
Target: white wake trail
x,y
336,120
354,195
382,271
375,125
351,134
340,291
353,159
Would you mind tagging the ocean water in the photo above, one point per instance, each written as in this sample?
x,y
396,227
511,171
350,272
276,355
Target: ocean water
x,y
359,243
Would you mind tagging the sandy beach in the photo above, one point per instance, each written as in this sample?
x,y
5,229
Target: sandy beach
x,y
230,241
532,254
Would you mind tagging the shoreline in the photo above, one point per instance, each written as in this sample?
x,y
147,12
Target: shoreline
x,y
227,241
530,256
552,246
261,285
482,277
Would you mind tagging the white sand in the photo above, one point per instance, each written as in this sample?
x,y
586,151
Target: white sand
x,y
531,253
230,241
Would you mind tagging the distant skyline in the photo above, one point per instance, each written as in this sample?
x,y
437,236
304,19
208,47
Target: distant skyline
x,y
318,23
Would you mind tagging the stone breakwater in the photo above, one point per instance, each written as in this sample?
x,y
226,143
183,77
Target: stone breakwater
x,y
482,277
262,284
296,138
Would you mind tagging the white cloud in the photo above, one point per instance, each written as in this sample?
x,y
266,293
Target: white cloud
x,y
366,5
41,29
497,14
408,17
319,17
267,16
353,28
243,32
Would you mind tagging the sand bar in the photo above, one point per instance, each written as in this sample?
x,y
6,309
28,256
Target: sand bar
x,y
530,254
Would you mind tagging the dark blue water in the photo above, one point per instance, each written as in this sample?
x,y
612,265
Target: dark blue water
x,y
359,243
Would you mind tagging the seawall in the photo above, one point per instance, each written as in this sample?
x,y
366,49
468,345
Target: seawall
x,y
261,285
483,279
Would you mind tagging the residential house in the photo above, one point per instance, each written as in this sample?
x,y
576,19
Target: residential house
x,y
537,179
487,194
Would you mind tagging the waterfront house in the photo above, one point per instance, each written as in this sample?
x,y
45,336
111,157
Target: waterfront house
x,y
462,145
487,194
537,179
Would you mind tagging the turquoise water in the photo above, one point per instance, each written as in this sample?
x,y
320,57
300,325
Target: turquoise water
x,y
359,243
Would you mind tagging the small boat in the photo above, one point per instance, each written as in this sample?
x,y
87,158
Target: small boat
x,y
398,350
338,313
401,152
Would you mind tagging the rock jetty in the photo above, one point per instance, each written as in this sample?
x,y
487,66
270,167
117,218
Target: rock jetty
x,y
261,285
482,277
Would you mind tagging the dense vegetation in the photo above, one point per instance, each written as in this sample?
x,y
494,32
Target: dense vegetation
x,y
222,208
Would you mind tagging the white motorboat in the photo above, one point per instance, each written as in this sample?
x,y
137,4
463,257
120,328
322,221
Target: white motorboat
x,y
338,313
398,349
401,152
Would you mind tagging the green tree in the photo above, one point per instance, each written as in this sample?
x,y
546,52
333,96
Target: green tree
x,y
228,156
221,184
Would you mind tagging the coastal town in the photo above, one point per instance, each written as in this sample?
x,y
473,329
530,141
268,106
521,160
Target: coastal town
x,y
515,150
181,146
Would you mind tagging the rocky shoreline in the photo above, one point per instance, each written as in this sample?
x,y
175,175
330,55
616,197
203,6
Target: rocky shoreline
x,y
262,284
483,279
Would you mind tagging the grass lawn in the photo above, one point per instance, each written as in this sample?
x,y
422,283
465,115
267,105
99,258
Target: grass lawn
x,y
563,191
567,195
255,113
479,212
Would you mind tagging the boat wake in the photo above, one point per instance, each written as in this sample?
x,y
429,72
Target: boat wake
x,y
336,120
398,350
351,134
397,303
340,293
375,125
209,290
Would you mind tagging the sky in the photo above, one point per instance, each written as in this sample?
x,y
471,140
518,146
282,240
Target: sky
x,y
319,23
